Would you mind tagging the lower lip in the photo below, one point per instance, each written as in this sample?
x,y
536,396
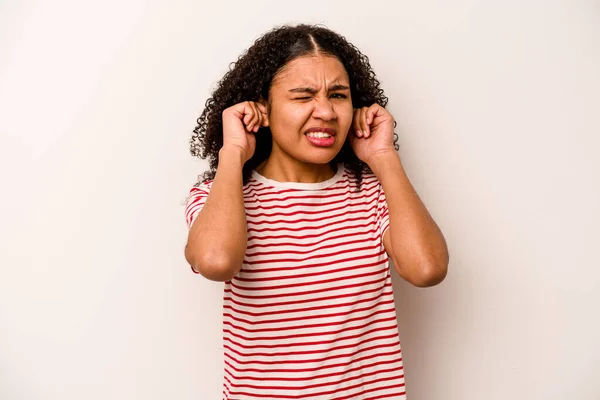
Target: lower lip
x,y
321,142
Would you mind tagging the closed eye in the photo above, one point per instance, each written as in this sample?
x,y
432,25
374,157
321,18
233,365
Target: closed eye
x,y
333,96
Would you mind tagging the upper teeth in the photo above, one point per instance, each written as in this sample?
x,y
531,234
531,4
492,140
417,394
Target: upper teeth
x,y
318,134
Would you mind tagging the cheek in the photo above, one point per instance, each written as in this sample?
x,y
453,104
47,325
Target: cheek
x,y
345,116
291,116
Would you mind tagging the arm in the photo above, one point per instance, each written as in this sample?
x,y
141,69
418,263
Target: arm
x,y
413,241
217,239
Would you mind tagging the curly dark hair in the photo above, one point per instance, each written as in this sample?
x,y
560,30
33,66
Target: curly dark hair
x,y
250,78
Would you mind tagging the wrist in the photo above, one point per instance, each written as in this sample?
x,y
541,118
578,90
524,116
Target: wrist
x,y
383,160
232,155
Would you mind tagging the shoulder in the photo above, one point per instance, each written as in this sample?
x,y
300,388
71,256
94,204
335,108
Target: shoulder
x,y
198,193
201,187
195,201
368,180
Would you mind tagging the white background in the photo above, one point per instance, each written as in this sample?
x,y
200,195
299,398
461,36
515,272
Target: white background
x,y
498,106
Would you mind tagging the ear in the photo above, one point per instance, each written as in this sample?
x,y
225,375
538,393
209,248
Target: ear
x,y
266,105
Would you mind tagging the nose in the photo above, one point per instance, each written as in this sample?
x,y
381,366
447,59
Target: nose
x,y
324,109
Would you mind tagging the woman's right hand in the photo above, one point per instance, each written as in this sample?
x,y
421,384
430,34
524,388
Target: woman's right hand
x,y
240,122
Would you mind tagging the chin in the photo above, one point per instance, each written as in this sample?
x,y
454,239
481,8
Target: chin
x,y
319,159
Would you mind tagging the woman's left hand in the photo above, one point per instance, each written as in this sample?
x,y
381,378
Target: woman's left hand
x,y
372,133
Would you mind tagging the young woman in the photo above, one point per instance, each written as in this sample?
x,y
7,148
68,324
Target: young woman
x,y
305,202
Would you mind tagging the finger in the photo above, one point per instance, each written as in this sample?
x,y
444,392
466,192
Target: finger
x,y
373,112
252,122
248,114
363,121
370,114
262,108
264,114
261,116
257,118
369,118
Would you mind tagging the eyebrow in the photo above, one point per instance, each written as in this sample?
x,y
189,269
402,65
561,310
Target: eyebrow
x,y
313,90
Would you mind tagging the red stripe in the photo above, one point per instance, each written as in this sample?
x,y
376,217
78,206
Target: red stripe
x,y
313,343
320,385
362,217
315,250
313,274
258,188
307,326
262,372
318,235
201,189
391,396
344,212
329,238
283,396
307,292
386,396
308,212
296,194
314,369
314,308
316,360
304,318
301,260
288,199
305,352
310,300
343,197
303,335
194,204
296,285
310,205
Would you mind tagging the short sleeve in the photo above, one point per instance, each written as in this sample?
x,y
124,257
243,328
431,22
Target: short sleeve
x,y
195,202
383,214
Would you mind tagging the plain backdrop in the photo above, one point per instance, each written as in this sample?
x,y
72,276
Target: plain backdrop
x,y
498,110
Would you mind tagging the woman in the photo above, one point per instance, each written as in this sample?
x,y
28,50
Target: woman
x,y
305,200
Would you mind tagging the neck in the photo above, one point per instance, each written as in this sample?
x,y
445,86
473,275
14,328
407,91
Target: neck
x,y
282,169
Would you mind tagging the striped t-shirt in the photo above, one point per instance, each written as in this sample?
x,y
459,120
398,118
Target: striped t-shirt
x,y
311,313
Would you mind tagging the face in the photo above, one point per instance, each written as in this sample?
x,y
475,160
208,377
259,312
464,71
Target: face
x,y
310,109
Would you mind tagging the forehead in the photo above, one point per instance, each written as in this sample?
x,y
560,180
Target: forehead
x,y
312,70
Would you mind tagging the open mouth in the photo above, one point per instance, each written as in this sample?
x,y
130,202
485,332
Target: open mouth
x,y
320,138
319,135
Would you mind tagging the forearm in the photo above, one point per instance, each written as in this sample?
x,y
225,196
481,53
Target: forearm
x,y
217,238
419,250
